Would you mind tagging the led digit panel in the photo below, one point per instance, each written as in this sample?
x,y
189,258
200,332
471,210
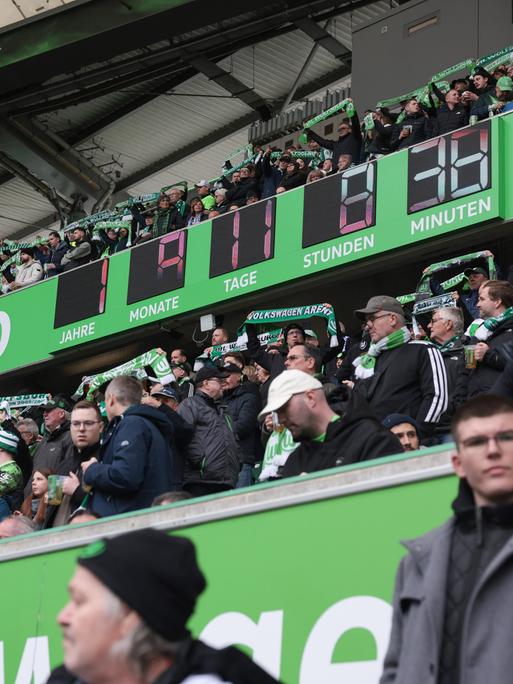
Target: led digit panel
x,y
443,169
81,293
242,238
157,267
340,204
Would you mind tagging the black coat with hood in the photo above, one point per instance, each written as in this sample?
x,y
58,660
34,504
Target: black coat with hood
x,y
356,436
137,462
489,370
243,405
196,658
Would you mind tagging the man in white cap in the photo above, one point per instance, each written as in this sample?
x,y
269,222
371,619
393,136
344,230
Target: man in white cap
x,y
329,436
203,191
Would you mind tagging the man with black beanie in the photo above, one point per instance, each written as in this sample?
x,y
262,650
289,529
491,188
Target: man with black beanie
x,y
130,600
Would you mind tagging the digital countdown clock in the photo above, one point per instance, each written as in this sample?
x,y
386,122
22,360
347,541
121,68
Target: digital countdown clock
x,y
242,238
340,204
157,266
449,167
81,293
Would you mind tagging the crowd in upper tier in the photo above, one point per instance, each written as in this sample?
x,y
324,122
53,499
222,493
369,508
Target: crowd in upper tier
x,y
268,172
261,411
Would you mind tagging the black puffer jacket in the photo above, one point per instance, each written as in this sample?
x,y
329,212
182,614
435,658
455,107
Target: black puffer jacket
x,y
421,129
357,436
53,449
243,405
448,120
212,455
238,193
494,362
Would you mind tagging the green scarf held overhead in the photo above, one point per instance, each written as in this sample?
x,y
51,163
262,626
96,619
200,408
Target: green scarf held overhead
x,y
424,286
346,106
25,400
494,59
268,317
153,358
467,64
270,337
366,364
486,328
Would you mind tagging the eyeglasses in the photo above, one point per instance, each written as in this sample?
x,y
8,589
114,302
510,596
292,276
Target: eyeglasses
x,y
88,424
293,357
371,319
479,443
435,320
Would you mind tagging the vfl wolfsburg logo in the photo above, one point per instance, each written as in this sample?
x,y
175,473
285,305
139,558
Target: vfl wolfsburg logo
x,y
5,325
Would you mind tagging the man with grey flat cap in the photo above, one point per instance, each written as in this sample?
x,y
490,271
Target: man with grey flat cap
x,y
212,456
398,374
130,599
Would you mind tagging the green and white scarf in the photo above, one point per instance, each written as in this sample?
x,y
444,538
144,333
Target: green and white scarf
x,y
483,329
449,345
278,448
268,317
153,358
366,363
466,65
25,400
270,337
494,59
424,286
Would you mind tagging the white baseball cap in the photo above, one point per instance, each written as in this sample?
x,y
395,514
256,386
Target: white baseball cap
x,y
287,384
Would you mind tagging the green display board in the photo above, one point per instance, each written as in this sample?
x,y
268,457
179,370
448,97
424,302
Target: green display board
x,y
451,183
305,589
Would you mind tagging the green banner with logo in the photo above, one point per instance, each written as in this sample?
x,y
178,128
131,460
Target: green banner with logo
x,y
305,589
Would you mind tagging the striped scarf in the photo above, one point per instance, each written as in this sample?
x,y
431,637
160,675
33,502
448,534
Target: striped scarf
x,y
483,329
365,364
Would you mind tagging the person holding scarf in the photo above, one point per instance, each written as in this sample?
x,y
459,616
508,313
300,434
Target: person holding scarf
x,y
446,333
492,334
397,374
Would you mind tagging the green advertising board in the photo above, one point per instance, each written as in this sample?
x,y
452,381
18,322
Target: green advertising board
x,y
451,183
305,588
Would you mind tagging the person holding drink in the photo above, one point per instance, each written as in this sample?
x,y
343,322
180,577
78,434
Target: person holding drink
x,y
490,337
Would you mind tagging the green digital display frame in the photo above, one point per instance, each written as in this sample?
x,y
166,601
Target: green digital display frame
x,y
368,215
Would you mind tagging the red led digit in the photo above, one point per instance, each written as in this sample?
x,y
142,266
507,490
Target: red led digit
x,y
103,290
268,228
178,237
363,215
236,235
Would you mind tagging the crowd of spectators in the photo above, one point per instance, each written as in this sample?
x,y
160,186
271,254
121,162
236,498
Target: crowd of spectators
x,y
264,413
267,172
268,412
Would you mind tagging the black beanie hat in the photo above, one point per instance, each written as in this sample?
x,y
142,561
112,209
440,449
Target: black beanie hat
x,y
27,250
154,573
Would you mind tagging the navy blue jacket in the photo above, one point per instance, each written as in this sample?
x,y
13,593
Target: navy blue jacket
x,y
136,462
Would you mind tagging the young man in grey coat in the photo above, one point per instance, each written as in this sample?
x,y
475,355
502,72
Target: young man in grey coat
x,y
453,604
